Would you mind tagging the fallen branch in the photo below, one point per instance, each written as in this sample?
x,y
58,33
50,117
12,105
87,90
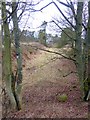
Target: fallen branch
x,y
54,53
69,74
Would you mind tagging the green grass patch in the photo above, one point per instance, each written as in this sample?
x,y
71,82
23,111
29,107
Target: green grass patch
x,y
62,98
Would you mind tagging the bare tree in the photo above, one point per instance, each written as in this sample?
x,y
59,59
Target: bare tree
x,y
13,83
87,85
7,64
17,90
77,26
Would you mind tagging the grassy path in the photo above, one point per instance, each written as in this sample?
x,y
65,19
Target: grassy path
x,y
45,76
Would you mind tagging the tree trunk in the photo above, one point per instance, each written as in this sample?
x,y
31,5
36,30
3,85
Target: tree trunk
x,y
18,54
88,47
86,60
7,66
78,45
88,36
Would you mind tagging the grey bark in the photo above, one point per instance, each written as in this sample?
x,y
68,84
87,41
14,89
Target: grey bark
x,y
88,41
78,45
18,54
7,64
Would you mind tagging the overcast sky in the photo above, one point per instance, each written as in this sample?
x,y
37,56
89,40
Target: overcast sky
x,y
36,19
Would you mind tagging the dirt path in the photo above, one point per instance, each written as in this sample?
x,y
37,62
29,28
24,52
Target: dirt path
x,y
45,76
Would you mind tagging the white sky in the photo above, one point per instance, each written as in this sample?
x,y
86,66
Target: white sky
x,y
36,19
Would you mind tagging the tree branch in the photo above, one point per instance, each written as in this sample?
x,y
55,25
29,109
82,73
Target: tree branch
x,y
63,31
58,9
64,4
64,15
10,14
69,73
54,53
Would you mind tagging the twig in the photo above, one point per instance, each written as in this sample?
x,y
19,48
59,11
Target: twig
x,y
69,74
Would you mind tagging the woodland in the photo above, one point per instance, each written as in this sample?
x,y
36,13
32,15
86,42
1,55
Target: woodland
x,y
47,76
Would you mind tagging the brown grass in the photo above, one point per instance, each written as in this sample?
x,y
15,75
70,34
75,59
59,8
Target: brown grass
x,y
43,80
